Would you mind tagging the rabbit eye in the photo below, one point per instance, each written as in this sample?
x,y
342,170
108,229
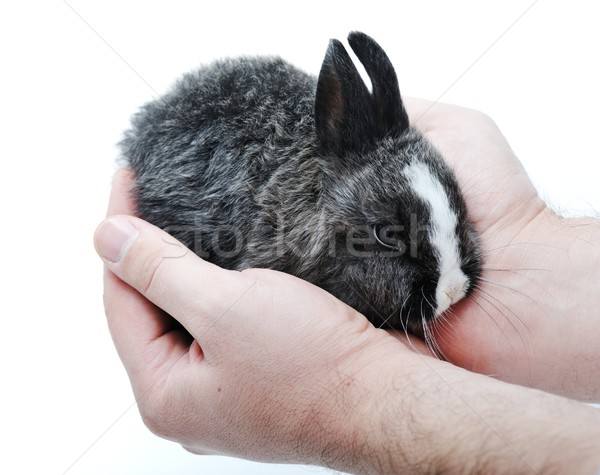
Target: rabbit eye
x,y
389,236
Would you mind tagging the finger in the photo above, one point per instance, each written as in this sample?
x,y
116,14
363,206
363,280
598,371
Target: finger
x,y
121,198
145,337
164,271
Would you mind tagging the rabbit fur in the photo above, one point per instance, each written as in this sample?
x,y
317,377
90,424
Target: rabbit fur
x,y
251,162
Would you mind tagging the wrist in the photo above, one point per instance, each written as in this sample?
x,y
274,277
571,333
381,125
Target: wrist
x,y
534,317
562,319
436,418
393,419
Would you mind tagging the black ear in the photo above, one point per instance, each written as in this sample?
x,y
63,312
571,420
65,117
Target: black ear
x,y
343,106
348,117
389,110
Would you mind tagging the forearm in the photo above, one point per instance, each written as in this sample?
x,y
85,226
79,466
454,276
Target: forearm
x,y
441,419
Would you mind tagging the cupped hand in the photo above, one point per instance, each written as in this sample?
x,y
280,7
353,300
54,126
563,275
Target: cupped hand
x,y
262,365
534,317
258,363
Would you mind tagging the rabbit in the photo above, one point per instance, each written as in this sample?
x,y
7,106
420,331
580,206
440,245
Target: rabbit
x,y
253,163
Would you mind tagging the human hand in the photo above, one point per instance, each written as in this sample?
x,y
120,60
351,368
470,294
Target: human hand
x,y
262,365
257,364
534,318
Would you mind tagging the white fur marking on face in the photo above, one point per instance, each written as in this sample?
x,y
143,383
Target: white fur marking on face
x,y
453,283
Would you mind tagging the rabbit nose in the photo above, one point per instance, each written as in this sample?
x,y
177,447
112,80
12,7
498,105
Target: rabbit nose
x,y
451,288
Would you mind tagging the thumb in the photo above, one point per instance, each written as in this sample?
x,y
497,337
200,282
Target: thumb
x,y
165,272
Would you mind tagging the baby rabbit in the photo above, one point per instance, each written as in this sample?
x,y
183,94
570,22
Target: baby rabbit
x,y
251,162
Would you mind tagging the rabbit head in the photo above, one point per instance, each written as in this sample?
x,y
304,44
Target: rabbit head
x,y
404,247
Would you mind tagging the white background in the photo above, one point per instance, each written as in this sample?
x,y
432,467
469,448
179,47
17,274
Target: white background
x,y
73,72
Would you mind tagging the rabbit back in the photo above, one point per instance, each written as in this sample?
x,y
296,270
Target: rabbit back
x,y
225,162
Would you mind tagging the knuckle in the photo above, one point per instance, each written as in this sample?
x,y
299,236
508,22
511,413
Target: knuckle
x,y
256,273
467,114
483,118
149,273
165,412
477,116
155,411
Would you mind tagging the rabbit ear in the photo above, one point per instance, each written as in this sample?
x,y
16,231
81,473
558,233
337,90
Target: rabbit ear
x,y
343,105
388,108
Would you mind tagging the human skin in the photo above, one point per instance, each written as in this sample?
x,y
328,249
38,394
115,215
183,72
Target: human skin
x,y
272,368
536,316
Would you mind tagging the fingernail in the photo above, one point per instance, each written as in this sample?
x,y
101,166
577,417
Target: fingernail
x,y
113,237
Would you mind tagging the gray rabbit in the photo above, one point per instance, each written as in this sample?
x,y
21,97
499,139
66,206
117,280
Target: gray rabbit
x,y
251,162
